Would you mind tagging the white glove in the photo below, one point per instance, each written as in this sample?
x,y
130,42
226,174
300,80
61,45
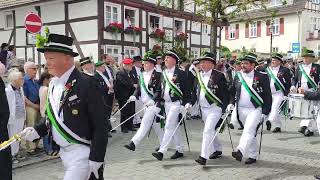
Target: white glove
x,y
94,167
183,110
150,103
263,117
187,106
293,89
29,134
230,107
132,98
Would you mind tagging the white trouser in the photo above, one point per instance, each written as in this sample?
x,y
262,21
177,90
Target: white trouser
x,y
75,159
138,107
250,118
194,110
210,116
12,130
172,111
147,121
307,122
274,117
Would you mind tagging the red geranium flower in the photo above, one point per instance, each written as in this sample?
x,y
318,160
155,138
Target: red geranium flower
x,y
256,78
68,86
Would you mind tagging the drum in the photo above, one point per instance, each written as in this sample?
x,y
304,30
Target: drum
x,y
301,108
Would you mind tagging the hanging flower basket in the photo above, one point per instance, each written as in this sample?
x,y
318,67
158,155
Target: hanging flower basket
x,y
133,30
158,34
181,37
156,47
114,27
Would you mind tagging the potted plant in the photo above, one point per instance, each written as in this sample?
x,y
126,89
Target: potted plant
x,y
114,27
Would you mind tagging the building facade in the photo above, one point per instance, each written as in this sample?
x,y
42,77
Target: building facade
x,y
295,23
86,22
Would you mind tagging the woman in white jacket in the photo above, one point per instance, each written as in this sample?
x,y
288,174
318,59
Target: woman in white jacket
x,y
15,96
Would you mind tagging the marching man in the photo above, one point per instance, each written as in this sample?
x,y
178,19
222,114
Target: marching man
x,y
307,77
280,82
213,101
149,92
75,116
176,95
252,94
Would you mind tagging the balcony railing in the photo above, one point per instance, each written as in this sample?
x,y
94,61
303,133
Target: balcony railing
x,y
314,35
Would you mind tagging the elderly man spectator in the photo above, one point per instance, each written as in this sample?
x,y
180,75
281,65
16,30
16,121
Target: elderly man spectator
x,y
15,96
31,92
5,155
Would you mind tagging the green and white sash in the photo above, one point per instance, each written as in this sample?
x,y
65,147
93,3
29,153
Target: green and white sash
x,y
61,128
145,87
208,93
277,82
171,85
309,79
253,94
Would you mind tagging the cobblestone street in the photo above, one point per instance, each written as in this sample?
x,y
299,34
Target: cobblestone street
x,y
284,156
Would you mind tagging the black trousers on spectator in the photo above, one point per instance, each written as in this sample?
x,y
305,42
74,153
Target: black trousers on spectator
x,y
110,98
126,112
5,156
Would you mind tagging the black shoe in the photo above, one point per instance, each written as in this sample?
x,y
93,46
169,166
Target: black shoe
x,y
317,176
113,131
215,155
237,155
158,155
137,125
231,126
177,155
308,133
109,135
157,149
195,117
277,130
302,129
131,146
250,161
202,161
124,130
240,128
268,124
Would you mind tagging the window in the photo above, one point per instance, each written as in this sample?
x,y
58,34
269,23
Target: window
x,y
253,29
275,2
112,14
130,52
314,24
129,18
113,51
318,50
205,29
178,26
316,1
275,28
232,31
195,53
275,49
154,22
8,20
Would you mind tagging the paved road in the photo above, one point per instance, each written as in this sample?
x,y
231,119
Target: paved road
x,y
284,156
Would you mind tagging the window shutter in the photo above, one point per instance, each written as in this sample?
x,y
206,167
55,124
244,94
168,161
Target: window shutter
x,y
281,25
226,32
237,31
268,28
247,30
259,28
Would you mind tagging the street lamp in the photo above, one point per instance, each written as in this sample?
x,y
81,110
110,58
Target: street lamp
x,y
271,36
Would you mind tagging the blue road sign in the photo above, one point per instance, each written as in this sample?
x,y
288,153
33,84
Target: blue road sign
x,y
295,47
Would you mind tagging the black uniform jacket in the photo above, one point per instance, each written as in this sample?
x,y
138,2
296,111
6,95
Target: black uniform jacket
x,y
314,73
124,85
284,75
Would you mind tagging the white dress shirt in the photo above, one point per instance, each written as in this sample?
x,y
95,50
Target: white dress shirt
x,y
166,95
274,71
202,98
245,97
307,69
57,87
144,95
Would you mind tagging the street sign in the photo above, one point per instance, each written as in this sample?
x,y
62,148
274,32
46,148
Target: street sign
x,y
33,23
295,47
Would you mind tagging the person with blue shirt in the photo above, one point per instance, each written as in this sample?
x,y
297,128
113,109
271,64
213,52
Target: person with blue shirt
x,y
31,92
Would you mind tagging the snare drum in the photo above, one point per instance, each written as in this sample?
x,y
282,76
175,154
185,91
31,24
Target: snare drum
x,y
300,107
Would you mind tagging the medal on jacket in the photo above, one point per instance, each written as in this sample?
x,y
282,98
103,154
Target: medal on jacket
x,y
75,112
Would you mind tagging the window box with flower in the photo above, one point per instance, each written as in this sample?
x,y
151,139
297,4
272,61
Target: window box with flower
x,y
114,27
158,34
133,30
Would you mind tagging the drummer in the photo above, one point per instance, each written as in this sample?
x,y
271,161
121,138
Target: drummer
x,y
280,82
306,77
